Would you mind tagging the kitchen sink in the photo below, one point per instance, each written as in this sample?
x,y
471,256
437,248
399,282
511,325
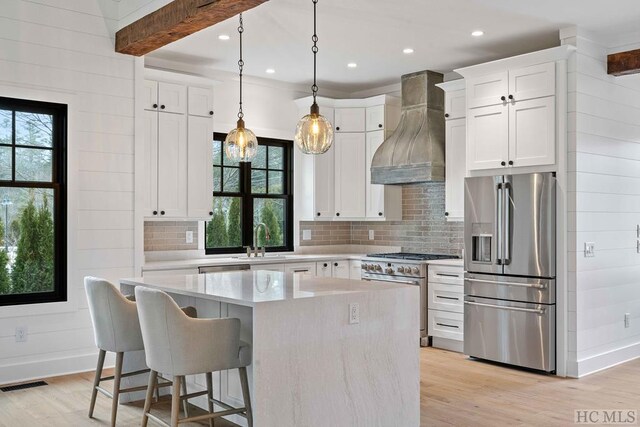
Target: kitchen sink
x,y
267,256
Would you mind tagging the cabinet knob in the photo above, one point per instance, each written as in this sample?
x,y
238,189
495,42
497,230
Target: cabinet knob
x,y
155,105
155,212
337,213
318,214
337,127
510,162
503,163
211,113
380,125
502,98
446,115
161,212
335,264
325,265
162,107
446,214
379,213
210,213
510,96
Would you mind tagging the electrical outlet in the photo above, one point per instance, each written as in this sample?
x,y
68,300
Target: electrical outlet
x,y
189,237
21,334
589,249
372,234
638,246
306,234
627,320
354,313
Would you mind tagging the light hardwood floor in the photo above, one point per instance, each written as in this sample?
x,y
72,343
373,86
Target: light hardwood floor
x,y
455,391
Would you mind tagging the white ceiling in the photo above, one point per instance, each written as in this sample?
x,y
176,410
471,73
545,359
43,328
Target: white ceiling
x,y
373,33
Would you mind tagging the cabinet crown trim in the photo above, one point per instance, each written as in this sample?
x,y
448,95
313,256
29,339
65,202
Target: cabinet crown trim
x,y
452,85
350,103
547,55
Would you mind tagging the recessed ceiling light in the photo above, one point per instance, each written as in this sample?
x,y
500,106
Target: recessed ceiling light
x,y
223,37
269,71
407,50
477,33
352,65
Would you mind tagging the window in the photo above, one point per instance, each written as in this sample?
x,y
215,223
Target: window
x,y
247,194
32,202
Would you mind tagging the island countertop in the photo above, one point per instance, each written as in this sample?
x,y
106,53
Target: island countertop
x,y
252,287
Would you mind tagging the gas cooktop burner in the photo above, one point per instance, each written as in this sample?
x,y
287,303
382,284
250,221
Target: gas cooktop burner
x,y
413,257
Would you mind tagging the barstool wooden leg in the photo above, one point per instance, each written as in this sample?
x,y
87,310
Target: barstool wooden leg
x,y
175,401
185,403
210,396
153,383
117,376
244,382
96,381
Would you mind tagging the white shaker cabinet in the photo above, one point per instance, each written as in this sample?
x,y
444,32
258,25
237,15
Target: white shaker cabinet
x,y
150,95
200,101
534,81
172,165
454,102
455,171
340,269
486,90
384,202
355,269
532,132
323,185
200,176
487,137
303,268
349,175
375,119
349,119
324,269
172,98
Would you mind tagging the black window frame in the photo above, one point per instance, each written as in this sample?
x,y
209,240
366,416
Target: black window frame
x,y
247,198
59,186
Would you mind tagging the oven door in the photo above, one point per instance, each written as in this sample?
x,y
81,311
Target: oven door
x,y
406,281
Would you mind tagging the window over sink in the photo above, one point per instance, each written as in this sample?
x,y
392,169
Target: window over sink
x,y
246,194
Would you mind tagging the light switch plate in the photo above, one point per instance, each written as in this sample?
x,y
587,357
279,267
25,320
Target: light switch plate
x,y
354,313
189,237
306,234
589,249
372,235
627,320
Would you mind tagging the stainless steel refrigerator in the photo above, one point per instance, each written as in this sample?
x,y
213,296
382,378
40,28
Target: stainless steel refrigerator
x,y
510,269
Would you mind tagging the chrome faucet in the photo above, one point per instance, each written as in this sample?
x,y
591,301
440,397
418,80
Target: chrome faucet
x,y
255,250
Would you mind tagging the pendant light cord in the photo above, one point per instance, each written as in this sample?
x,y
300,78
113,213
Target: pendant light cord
x,y
241,65
314,49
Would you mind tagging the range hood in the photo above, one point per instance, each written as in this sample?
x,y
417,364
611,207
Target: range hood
x,y
414,153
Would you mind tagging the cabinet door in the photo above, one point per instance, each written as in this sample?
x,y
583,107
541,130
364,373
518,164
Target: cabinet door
x,y
150,97
375,118
151,163
324,185
350,175
374,193
200,101
349,119
455,150
172,98
355,269
532,132
536,81
172,165
307,268
340,269
487,90
324,269
487,137
199,167
455,104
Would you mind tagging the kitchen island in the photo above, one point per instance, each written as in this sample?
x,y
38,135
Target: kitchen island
x,y
316,362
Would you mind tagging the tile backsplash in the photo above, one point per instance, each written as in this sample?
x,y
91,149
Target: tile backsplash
x,y
169,235
423,227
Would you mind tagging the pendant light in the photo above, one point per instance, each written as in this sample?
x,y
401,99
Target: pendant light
x,y
314,133
241,144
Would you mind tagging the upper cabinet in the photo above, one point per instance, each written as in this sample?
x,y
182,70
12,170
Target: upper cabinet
x,y
165,97
455,105
350,119
382,201
349,187
487,90
200,101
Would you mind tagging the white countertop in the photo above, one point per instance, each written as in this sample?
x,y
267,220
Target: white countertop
x,y
249,288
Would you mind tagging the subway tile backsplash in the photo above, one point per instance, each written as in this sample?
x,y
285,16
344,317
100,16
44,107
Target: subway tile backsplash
x,y
169,235
423,227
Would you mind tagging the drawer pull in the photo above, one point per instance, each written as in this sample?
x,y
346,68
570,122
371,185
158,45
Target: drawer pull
x,y
301,271
447,326
540,312
448,275
451,298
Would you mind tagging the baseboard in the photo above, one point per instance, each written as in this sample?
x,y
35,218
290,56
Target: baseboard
x,y
448,344
606,360
53,367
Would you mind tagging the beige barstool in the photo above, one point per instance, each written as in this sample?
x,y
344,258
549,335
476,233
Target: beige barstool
x,y
179,345
117,329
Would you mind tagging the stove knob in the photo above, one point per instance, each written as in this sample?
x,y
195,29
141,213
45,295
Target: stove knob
x,y
389,270
415,270
378,268
364,266
401,269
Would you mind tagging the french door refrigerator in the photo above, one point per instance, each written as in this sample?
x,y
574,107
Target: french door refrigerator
x,y
510,269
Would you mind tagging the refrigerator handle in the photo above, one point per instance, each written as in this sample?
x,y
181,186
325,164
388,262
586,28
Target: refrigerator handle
x,y
506,201
499,216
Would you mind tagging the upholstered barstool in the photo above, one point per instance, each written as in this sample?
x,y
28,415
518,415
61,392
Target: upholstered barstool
x,y
178,345
117,329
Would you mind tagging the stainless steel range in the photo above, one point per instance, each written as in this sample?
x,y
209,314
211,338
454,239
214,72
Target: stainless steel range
x,y
406,268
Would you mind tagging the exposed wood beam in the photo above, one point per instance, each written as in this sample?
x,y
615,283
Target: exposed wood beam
x,y
623,63
176,20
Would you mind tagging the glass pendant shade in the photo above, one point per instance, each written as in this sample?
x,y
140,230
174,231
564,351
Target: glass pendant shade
x,y
241,144
314,133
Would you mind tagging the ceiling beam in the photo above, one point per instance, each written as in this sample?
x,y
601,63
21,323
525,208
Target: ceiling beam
x,y
176,20
624,63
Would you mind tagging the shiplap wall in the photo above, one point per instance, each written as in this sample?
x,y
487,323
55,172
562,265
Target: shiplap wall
x,y
604,208
64,49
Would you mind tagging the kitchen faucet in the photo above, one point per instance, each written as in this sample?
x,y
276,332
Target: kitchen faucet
x,y
255,250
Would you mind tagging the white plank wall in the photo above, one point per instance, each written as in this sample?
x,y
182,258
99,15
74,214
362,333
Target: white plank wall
x,y
49,47
604,207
